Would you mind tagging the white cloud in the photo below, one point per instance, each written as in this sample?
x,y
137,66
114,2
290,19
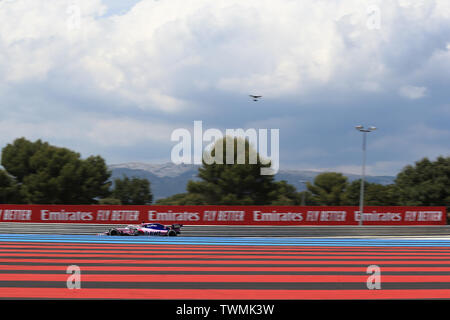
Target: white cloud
x,y
378,168
115,132
412,92
128,132
413,142
145,55
162,59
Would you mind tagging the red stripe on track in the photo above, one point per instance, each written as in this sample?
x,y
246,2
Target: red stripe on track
x,y
196,262
185,248
174,268
213,294
237,247
220,278
281,256
211,256
187,254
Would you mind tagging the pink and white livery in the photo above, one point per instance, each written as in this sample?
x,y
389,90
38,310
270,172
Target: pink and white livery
x,y
145,229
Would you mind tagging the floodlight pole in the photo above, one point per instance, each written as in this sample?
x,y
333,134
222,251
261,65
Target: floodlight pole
x,y
361,193
363,176
303,194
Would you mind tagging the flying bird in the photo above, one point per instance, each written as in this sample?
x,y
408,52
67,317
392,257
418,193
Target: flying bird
x,y
255,98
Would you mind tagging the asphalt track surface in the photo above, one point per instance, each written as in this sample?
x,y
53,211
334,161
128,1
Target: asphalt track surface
x,y
238,231
34,267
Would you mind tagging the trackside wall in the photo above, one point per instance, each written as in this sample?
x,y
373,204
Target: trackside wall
x,y
223,215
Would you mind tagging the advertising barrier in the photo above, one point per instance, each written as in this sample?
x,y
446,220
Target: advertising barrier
x,y
223,215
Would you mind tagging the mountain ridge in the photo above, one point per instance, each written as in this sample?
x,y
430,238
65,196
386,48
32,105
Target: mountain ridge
x,y
168,178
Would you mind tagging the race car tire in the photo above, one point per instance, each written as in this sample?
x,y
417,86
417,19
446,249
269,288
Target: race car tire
x,y
172,233
114,232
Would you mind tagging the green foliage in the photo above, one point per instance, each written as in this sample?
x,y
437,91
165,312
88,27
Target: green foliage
x,y
183,199
109,201
9,192
328,189
426,183
306,198
285,194
237,183
134,191
374,194
17,157
39,173
46,174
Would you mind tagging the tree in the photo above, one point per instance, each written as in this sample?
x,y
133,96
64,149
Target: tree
x,y
328,189
16,157
134,191
427,183
374,194
8,188
285,194
306,198
235,184
109,201
183,199
46,174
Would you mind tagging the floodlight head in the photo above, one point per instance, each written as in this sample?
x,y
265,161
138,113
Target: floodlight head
x,y
372,128
359,127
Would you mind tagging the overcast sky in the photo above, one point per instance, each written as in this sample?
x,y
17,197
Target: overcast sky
x,y
116,77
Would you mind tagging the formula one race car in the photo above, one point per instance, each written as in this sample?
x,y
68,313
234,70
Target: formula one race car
x,y
145,229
